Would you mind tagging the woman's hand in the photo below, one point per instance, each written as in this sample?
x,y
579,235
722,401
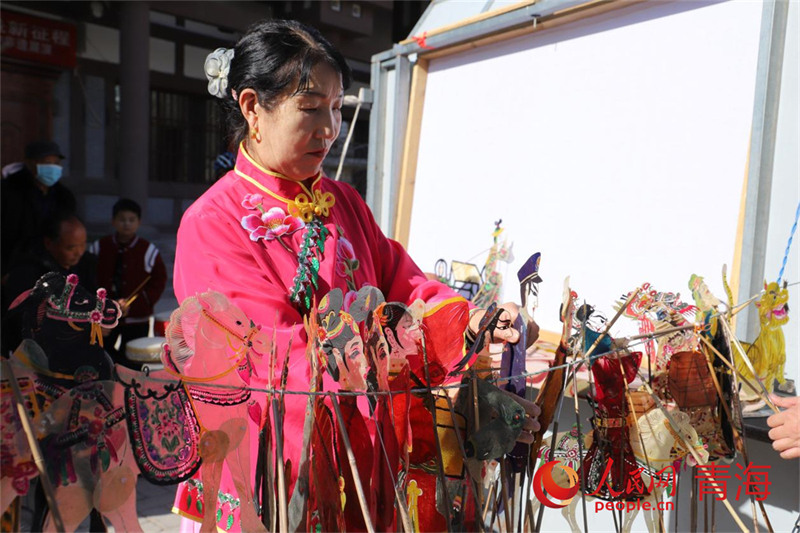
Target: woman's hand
x,y
785,432
505,331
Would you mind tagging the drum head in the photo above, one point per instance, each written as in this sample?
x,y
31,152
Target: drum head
x,y
145,349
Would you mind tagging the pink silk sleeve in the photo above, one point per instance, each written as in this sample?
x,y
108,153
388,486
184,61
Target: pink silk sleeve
x,y
400,279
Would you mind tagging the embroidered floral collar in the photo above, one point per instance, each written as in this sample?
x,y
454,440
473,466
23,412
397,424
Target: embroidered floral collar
x,y
270,224
301,202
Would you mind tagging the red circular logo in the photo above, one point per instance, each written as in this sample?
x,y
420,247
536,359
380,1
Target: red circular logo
x,y
544,479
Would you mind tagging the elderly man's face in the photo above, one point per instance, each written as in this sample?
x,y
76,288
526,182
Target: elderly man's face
x,y
70,245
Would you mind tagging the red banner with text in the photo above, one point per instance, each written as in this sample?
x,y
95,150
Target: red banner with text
x,y
38,40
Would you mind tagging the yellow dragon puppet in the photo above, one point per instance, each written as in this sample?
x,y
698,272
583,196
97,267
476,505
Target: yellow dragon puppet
x,y
768,351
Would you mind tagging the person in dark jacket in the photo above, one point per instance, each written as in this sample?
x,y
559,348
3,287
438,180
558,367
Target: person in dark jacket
x,y
30,196
62,250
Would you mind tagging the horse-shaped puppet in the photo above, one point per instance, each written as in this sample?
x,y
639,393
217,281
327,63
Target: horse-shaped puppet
x,y
98,435
76,410
656,447
211,348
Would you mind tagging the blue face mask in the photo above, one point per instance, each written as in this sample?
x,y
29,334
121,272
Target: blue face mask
x,y
48,175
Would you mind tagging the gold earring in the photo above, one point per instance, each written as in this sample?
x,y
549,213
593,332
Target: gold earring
x,y
255,135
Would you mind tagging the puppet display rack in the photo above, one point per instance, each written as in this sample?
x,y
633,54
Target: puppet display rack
x,y
446,439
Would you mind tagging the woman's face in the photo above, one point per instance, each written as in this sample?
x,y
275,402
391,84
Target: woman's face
x,y
297,133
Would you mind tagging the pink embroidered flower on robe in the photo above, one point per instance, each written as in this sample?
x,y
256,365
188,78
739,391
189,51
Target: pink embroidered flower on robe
x,y
252,201
346,261
270,224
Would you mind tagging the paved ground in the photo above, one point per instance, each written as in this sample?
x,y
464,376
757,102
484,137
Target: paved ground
x,y
153,504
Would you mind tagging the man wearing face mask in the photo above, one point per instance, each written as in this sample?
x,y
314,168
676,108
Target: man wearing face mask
x,y
31,195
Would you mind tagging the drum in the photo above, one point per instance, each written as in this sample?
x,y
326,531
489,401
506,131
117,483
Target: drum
x,y
160,321
145,350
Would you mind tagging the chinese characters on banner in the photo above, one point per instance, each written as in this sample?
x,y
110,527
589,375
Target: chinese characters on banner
x,y
664,478
37,39
711,481
754,478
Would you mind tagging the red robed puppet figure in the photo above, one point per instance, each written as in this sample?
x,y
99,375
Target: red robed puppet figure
x,y
611,444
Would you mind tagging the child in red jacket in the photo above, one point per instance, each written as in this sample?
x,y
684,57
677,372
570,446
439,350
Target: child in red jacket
x,y
133,272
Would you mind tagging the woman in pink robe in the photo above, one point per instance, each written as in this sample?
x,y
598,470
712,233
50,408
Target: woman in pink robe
x,y
274,233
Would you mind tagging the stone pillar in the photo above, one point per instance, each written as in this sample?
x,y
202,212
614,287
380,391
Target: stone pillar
x,y
134,100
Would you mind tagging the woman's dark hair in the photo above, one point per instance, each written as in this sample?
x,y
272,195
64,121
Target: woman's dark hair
x,y
275,57
392,313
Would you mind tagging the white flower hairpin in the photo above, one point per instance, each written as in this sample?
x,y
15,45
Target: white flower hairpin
x,y
217,67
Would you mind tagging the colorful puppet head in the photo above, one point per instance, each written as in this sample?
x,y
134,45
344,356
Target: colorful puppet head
x,y
209,324
529,280
773,308
79,308
65,319
367,299
401,328
657,311
341,339
655,304
703,298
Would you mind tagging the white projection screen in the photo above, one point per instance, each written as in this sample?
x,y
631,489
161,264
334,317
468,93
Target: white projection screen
x,y
617,146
